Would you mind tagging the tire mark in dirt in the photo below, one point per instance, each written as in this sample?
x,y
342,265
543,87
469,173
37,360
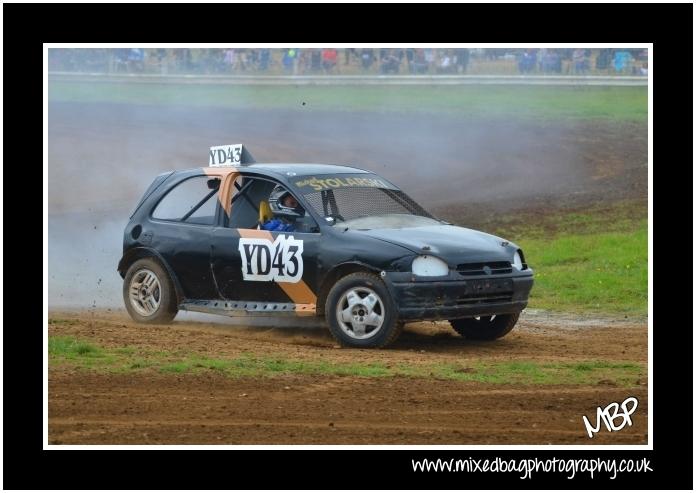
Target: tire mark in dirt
x,y
152,408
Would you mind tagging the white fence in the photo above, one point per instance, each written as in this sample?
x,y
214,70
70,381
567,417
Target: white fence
x,y
544,80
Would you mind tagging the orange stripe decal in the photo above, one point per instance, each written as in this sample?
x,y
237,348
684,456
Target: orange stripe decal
x,y
298,292
255,233
227,176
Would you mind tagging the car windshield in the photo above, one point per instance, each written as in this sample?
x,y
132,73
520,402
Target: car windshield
x,y
362,201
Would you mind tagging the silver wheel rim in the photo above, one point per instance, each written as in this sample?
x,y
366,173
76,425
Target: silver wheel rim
x,y
145,292
360,313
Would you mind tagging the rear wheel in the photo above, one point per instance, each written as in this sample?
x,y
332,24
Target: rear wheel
x,y
485,328
361,313
149,293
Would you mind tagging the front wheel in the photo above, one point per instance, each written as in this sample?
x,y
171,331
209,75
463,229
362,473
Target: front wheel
x,y
149,293
485,328
361,313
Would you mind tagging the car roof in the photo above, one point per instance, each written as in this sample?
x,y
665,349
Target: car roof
x,y
282,169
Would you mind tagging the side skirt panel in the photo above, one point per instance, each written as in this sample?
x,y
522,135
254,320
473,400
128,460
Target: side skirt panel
x,y
240,308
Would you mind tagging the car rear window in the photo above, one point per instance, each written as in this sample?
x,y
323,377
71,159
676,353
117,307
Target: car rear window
x,y
192,201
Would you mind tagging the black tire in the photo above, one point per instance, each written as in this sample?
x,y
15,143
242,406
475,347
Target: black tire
x,y
167,308
348,333
485,329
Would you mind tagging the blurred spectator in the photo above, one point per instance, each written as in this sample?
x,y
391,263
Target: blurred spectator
x,y
526,62
540,59
315,65
446,66
462,60
252,58
639,54
420,66
243,63
214,61
429,54
565,53
490,54
289,60
264,59
159,59
580,65
622,61
230,59
409,60
185,60
136,59
303,60
347,53
329,57
550,62
292,60
367,56
390,63
399,53
121,59
556,62
603,59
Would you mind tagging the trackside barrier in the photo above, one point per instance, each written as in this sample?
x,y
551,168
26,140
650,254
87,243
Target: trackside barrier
x,y
343,80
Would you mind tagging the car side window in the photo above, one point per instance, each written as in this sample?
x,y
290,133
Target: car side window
x,y
192,201
245,206
247,209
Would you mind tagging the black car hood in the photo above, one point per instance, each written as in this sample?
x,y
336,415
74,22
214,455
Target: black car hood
x,y
452,244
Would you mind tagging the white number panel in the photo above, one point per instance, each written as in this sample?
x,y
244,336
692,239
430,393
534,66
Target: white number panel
x,y
228,155
280,260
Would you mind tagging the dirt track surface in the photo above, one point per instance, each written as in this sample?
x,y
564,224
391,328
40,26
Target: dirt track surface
x,y
149,407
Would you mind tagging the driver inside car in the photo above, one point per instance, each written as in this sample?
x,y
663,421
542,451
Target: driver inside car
x,y
285,211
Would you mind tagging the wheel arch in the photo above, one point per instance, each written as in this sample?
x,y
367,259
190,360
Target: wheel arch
x,y
135,254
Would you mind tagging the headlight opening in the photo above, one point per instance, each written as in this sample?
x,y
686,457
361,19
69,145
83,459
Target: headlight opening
x,y
518,260
429,266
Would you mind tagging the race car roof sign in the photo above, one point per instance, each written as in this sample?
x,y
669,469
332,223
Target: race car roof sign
x,y
229,155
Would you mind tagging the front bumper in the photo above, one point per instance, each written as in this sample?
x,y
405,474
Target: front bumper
x,y
453,296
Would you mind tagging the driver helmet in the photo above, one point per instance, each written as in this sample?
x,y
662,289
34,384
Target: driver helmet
x,y
283,204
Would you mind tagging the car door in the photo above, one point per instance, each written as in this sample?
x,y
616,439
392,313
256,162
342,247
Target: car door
x,y
182,223
250,264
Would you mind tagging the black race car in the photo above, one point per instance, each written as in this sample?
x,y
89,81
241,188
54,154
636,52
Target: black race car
x,y
313,240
